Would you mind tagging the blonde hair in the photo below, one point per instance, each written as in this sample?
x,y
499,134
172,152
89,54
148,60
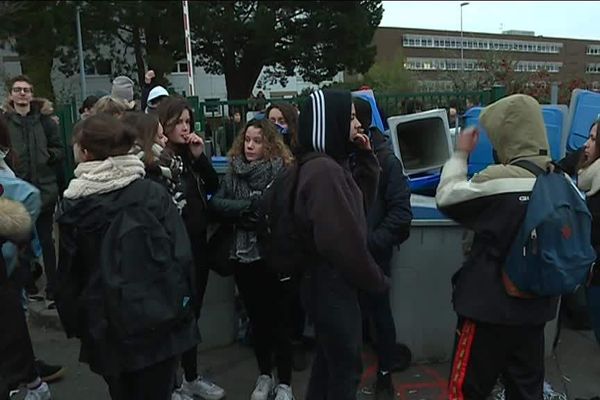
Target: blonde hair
x,y
110,105
273,145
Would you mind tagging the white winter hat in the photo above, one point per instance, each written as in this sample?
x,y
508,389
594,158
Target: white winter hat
x,y
156,93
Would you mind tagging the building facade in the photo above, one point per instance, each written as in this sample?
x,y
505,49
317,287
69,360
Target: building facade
x,y
98,77
434,56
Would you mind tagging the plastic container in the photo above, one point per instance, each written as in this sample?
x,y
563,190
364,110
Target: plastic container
x,y
583,111
421,141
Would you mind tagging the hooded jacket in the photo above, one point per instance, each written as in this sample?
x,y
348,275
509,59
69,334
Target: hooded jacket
x,y
328,199
81,292
493,204
38,148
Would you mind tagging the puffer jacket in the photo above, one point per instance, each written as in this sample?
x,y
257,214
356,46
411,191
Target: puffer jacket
x,y
493,204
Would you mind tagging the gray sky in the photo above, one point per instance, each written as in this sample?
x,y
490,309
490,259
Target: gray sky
x,y
568,19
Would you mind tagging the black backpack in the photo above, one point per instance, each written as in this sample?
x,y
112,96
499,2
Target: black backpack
x,y
151,292
284,243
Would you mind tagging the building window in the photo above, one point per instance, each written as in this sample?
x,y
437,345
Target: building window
x,y
98,68
593,50
592,69
180,68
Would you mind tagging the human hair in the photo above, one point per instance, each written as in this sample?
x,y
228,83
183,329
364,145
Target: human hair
x,y
169,111
103,136
290,114
146,127
273,142
110,105
20,78
587,161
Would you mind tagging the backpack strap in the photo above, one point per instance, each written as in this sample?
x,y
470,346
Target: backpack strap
x,y
530,166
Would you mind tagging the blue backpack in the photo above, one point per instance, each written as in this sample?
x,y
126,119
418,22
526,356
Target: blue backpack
x,y
552,254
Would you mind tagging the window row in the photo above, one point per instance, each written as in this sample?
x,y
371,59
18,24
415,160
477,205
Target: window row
x,y
454,64
592,69
593,50
533,66
105,67
469,43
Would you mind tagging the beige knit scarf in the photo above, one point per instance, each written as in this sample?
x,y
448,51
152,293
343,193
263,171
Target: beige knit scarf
x,y
97,177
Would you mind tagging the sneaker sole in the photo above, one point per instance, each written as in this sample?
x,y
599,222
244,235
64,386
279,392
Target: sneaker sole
x,y
55,376
203,397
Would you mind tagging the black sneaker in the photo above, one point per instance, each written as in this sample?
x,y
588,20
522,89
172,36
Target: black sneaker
x,y
47,372
384,389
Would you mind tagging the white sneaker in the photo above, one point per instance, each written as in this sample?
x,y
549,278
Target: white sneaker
x,y
264,387
178,394
41,393
283,392
204,388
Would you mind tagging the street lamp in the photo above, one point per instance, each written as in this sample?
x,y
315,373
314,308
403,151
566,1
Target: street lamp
x,y
462,60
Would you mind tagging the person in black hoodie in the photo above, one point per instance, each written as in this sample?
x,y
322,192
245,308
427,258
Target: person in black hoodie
x,y
103,199
198,180
330,202
389,225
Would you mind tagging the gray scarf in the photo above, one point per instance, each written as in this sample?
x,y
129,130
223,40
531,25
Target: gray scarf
x,y
248,181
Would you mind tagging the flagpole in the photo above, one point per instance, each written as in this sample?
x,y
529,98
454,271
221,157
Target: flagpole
x,y
188,48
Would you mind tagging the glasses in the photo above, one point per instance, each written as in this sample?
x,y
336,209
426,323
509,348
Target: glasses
x,y
21,89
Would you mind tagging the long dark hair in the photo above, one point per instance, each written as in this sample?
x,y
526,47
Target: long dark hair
x,y
169,111
587,161
146,126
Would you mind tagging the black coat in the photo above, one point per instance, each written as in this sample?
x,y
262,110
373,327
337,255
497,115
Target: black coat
x,y
390,216
80,296
199,180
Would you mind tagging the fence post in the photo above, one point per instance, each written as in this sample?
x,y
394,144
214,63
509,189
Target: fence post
x,y
498,92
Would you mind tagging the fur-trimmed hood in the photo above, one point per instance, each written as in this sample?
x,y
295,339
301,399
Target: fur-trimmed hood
x,y
38,104
15,222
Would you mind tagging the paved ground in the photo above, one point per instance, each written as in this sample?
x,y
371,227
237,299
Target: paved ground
x,y
575,370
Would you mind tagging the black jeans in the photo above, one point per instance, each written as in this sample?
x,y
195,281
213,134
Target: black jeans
x,y
44,227
266,299
17,360
485,352
333,304
152,383
376,307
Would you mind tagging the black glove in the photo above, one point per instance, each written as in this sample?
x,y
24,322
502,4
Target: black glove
x,y
249,217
